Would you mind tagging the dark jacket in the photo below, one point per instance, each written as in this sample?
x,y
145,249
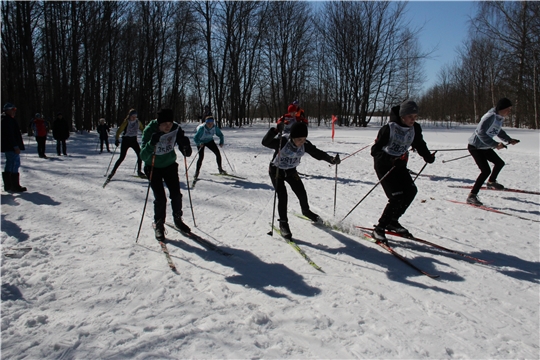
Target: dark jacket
x,y
382,158
272,141
60,129
103,131
11,134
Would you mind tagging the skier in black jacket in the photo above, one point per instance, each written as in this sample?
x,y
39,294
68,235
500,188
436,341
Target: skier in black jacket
x,y
288,153
391,153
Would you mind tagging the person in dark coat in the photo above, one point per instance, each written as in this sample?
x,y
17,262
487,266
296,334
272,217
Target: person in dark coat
x,y
390,154
12,145
103,131
61,130
288,151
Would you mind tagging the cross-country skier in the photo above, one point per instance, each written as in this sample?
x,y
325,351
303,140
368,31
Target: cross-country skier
x,y
129,128
391,153
289,150
481,145
204,137
158,140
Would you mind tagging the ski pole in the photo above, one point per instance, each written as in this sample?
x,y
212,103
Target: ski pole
x,y
357,151
369,192
189,192
335,192
423,167
233,170
275,190
195,158
147,192
110,162
462,157
451,149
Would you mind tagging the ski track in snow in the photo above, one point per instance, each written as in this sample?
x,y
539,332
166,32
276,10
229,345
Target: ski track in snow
x,y
88,290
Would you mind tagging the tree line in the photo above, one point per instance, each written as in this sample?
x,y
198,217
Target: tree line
x,y
249,59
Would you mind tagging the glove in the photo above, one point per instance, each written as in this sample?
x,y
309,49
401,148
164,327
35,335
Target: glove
x,y
430,159
185,147
116,142
513,141
336,160
155,138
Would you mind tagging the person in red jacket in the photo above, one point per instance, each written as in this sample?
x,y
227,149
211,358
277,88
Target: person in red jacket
x,y
41,128
285,122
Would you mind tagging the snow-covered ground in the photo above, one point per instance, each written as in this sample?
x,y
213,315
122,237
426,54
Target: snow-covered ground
x,y
88,290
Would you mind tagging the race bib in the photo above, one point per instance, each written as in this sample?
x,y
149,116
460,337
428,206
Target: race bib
x,y
289,156
166,143
400,140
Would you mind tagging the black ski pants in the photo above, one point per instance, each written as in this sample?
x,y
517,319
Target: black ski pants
x,y
41,141
106,141
128,142
61,145
169,176
400,190
297,186
213,147
481,157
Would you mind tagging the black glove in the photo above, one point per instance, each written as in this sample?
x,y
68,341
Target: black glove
x,y
513,141
155,138
185,146
117,142
336,160
430,159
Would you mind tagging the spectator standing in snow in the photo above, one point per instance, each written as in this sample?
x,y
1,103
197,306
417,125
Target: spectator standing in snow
x,y
129,129
288,151
12,145
103,131
481,145
204,138
61,130
40,127
391,153
158,140
285,122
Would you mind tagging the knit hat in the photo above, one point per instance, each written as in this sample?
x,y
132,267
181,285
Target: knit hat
x,y
9,106
38,116
133,112
503,104
298,129
209,119
291,108
408,107
165,115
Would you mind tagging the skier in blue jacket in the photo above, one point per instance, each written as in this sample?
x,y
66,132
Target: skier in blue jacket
x,y
204,137
481,145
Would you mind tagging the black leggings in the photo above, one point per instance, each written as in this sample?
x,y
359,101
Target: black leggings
x,y
213,147
297,186
400,190
169,175
41,141
128,142
481,157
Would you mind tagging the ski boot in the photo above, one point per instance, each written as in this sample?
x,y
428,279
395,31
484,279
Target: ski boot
x,y
181,225
285,230
379,235
473,200
396,227
311,215
494,185
159,230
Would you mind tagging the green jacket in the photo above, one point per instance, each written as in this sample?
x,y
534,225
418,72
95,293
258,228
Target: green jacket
x,y
164,149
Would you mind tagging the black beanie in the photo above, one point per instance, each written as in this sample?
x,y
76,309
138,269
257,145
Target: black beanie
x,y
165,115
503,104
298,129
408,107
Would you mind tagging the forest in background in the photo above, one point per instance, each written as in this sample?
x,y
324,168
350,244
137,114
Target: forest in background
x,y
249,59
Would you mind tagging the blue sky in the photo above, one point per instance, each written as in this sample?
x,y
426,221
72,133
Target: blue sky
x,y
445,26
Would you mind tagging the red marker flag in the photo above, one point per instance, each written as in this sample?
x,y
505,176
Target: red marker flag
x,y
334,119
